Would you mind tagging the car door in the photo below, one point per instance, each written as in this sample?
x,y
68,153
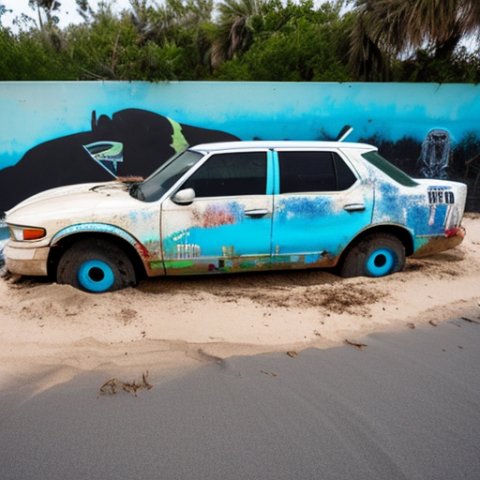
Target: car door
x,y
320,205
228,225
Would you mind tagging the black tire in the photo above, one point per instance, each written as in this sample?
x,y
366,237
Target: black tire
x,y
377,255
96,266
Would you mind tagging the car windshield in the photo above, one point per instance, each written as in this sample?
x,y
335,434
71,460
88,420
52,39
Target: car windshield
x,y
163,178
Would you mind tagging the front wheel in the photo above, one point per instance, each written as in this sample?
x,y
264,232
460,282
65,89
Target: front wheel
x,y
375,256
96,266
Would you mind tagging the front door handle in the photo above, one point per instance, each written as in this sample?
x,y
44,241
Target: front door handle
x,y
256,212
354,207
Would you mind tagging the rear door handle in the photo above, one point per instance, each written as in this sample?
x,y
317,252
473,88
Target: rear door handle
x,y
354,207
256,212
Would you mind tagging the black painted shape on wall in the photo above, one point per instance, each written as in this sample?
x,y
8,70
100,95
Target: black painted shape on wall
x,y
146,138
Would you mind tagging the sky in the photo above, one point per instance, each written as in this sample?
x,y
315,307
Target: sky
x,y
68,13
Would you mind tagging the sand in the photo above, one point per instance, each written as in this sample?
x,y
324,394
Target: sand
x,y
406,406
50,333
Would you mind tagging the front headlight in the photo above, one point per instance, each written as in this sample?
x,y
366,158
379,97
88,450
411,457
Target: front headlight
x,y
21,233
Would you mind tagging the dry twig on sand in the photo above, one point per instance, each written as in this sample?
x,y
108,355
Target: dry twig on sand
x,y
358,345
112,386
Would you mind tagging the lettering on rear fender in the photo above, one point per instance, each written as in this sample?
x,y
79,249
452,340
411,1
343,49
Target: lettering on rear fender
x,y
439,196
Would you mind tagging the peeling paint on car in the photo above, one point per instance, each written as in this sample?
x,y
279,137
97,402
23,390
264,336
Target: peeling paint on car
x,y
218,214
238,233
93,227
303,207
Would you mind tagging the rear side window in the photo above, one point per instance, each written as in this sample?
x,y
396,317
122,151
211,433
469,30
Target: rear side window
x,y
313,172
389,169
230,174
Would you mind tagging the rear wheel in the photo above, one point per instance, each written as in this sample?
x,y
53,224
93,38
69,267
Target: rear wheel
x,y
96,266
375,256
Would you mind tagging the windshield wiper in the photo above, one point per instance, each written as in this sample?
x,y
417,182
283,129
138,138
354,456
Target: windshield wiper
x,y
136,192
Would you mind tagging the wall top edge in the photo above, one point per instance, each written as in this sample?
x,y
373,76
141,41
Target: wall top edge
x,y
214,82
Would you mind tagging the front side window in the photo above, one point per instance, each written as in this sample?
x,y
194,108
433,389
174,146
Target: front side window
x,y
230,174
302,172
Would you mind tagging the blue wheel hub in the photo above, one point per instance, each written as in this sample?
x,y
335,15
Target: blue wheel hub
x,y
380,262
95,276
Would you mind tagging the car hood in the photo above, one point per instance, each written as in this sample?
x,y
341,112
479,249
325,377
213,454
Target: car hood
x,y
84,202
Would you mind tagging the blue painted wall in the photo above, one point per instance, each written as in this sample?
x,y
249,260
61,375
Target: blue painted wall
x,y
32,113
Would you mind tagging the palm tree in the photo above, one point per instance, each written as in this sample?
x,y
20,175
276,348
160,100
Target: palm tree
x,y
48,27
387,28
181,24
164,23
235,28
49,7
471,15
84,10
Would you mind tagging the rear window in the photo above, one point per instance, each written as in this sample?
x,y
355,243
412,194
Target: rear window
x,y
389,169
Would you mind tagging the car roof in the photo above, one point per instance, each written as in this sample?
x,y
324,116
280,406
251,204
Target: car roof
x,y
268,144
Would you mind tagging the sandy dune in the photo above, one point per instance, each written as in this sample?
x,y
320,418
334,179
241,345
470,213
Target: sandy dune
x,y
52,332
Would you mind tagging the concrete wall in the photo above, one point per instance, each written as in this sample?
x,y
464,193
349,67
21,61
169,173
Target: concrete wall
x,y
55,133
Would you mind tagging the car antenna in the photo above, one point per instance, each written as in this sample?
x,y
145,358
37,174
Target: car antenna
x,y
344,133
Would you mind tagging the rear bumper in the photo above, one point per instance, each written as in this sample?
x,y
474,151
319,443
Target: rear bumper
x,y
452,238
27,261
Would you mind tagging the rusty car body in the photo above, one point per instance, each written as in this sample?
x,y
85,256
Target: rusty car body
x,y
238,206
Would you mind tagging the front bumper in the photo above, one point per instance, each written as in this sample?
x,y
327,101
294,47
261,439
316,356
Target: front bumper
x,y
27,261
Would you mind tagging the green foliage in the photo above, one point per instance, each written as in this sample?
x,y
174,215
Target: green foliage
x,y
462,66
105,49
27,57
294,42
278,40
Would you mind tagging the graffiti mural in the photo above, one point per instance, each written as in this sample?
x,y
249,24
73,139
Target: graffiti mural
x,y
132,142
435,156
60,133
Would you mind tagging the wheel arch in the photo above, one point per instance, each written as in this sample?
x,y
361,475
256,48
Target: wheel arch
x,y
397,231
67,237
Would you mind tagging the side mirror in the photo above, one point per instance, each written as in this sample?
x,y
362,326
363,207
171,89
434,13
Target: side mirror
x,y
184,197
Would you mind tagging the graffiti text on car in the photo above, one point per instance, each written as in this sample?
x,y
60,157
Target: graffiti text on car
x,y
436,196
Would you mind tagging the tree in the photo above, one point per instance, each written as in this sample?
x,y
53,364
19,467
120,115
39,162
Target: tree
x,y
180,24
284,40
84,9
237,22
3,11
294,42
51,34
49,7
385,29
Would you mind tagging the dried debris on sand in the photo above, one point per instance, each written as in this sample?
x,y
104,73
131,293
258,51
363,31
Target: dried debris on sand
x,y
114,385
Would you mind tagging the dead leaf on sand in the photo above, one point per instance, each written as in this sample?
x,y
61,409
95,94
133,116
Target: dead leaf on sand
x,y
292,354
358,345
411,325
112,386
470,320
433,323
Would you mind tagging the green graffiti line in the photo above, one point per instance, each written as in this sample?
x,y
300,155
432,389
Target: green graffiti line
x,y
156,265
178,263
179,142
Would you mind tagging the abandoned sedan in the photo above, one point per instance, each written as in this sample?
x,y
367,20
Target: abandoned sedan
x,y
238,206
